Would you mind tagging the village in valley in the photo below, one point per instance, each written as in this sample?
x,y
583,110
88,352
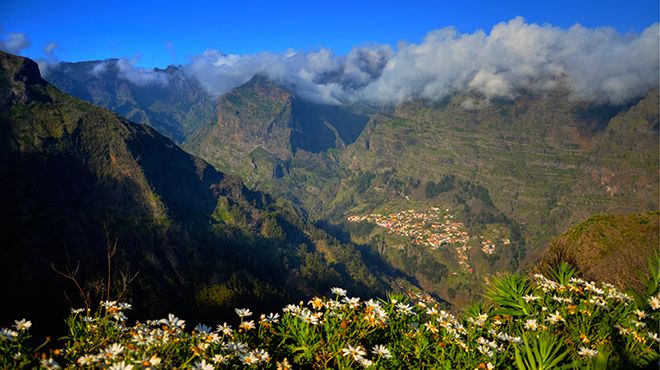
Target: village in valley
x,y
433,228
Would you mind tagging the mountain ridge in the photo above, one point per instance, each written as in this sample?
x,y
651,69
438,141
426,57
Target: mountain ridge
x,y
168,99
524,169
80,179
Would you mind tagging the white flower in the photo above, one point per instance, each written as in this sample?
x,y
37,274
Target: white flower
x,y
219,359
432,311
641,314
203,365
530,298
202,346
224,328
250,359
247,325
75,311
356,352
86,360
153,361
653,336
173,322
638,324
22,325
202,329
654,302
243,312
485,350
339,291
112,350
587,352
121,366
119,316
622,330
577,281
480,320
381,351
554,318
509,338
364,362
8,333
591,286
284,365
291,308
353,302
309,317
531,324
109,304
236,347
405,309
262,355
598,301
272,318
50,364
561,299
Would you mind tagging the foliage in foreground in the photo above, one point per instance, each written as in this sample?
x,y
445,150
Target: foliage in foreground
x,y
539,323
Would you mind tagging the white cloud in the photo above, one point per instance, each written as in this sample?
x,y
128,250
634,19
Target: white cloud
x,y
140,76
14,42
595,65
50,62
318,76
126,69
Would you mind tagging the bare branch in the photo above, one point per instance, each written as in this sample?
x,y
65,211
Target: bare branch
x,y
72,275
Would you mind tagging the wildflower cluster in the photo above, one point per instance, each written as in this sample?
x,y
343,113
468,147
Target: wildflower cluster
x,y
564,318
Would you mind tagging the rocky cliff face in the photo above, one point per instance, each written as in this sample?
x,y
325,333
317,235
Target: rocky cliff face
x,y
168,100
255,115
261,126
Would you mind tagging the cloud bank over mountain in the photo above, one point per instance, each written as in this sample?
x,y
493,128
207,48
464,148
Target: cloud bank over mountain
x,y
126,69
598,65
595,65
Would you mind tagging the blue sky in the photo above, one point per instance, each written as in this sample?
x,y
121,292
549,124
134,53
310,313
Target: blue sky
x,y
161,33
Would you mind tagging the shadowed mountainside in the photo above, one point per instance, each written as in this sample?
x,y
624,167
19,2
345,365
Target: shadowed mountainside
x,y
77,178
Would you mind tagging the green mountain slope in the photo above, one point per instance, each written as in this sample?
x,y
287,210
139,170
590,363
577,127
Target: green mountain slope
x,y
77,178
615,248
520,171
175,104
544,160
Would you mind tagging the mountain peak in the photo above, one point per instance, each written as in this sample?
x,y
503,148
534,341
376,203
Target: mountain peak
x,y
265,88
21,69
22,75
170,69
260,79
